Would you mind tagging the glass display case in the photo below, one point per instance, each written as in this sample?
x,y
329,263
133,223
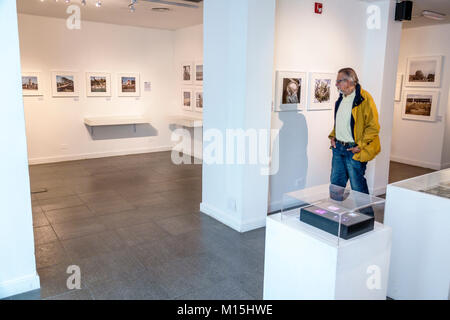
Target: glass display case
x,y
331,212
436,183
418,210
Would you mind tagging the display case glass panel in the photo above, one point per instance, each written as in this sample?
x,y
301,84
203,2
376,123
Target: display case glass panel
x,y
436,183
331,212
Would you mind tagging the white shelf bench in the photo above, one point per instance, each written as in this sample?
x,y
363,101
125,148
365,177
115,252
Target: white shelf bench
x,y
96,121
188,122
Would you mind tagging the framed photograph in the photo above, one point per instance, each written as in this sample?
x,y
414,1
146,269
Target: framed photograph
x,y
187,73
290,91
398,87
323,94
98,84
198,101
129,85
31,84
186,99
199,73
423,72
65,84
420,105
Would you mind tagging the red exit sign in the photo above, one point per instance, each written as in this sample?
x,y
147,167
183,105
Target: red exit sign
x,y
318,7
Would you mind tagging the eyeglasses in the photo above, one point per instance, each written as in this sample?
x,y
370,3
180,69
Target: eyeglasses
x,y
339,81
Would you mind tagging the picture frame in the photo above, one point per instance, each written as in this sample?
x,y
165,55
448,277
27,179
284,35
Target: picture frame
x,y
198,103
187,73
187,99
32,84
423,72
398,88
65,84
98,84
129,85
198,73
420,105
291,91
322,92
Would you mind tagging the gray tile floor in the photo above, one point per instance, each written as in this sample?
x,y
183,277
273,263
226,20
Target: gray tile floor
x,y
132,224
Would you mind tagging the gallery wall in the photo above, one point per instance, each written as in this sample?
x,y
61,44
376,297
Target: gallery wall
x,y
420,143
309,42
55,128
188,47
17,262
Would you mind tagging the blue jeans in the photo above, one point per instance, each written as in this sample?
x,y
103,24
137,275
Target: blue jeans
x,y
345,168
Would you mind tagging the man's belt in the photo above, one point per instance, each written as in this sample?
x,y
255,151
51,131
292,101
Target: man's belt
x,y
346,144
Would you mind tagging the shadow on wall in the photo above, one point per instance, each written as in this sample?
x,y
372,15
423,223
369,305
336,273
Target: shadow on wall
x,y
293,160
121,132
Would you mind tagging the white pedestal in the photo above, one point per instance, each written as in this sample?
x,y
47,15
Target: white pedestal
x,y
420,265
303,262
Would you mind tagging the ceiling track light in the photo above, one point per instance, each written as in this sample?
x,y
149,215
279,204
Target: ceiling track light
x,y
433,15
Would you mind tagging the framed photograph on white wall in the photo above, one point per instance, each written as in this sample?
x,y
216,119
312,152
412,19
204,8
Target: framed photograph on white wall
x,y
31,84
187,73
186,99
198,73
322,93
423,72
129,85
198,101
65,84
420,105
98,84
290,91
398,87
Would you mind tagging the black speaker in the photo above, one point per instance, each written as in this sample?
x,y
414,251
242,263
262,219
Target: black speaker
x,y
403,10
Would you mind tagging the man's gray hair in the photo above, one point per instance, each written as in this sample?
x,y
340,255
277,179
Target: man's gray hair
x,y
350,75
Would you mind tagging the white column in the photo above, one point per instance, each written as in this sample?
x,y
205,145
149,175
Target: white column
x,y
17,262
379,74
238,70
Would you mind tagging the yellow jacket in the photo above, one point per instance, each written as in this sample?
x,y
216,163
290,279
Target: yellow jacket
x,y
364,123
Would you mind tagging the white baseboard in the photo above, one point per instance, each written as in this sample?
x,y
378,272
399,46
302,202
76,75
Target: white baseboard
x,y
230,221
423,164
20,285
95,155
445,166
378,191
191,154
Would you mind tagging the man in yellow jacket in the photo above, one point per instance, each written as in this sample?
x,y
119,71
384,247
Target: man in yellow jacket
x,y
354,139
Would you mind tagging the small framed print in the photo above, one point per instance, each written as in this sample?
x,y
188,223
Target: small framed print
x,y
420,105
65,84
199,73
423,72
290,91
31,84
129,85
186,99
322,93
187,73
198,101
98,84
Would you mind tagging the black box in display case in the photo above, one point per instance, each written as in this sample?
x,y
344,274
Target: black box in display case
x,y
352,223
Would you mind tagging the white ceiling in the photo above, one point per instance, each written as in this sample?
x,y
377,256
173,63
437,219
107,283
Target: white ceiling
x,y
116,12
441,6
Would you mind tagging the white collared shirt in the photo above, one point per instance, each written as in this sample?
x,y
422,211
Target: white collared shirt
x,y
343,119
